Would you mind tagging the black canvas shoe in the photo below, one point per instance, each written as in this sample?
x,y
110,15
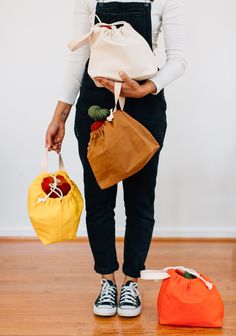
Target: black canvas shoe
x,y
130,300
106,302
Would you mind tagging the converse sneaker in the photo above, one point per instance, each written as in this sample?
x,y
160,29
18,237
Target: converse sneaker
x,y
106,302
130,300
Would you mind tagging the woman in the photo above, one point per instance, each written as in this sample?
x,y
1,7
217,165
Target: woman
x,y
145,101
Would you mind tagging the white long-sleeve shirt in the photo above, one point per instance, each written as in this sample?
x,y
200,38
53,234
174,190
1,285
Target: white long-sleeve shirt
x,y
166,16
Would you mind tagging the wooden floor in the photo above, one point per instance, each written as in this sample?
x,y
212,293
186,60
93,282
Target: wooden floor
x,y
50,290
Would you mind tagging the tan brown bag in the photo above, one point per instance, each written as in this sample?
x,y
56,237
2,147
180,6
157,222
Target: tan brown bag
x,y
119,148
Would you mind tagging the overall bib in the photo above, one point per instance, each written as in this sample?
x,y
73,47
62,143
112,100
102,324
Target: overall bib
x,y
138,189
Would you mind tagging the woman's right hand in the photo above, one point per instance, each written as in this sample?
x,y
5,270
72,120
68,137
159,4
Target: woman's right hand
x,y
55,135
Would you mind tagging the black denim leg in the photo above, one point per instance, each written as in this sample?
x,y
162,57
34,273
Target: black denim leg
x,y
139,196
100,214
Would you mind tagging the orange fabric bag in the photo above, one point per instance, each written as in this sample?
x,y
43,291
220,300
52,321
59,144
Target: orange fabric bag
x,y
187,302
120,147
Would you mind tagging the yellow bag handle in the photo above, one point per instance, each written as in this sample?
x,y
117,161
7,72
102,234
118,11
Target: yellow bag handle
x,y
44,162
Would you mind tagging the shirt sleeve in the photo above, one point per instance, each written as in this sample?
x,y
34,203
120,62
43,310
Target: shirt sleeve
x,y
77,59
174,39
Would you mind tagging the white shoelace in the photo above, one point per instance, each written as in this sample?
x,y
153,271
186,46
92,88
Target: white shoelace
x,y
129,294
108,293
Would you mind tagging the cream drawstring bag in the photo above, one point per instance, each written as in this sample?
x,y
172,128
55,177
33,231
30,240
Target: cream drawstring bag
x,y
117,47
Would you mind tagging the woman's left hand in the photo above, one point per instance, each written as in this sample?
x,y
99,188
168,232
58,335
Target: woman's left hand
x,y
130,88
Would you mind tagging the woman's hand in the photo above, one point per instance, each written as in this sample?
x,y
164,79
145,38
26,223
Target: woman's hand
x,y
56,129
55,135
130,88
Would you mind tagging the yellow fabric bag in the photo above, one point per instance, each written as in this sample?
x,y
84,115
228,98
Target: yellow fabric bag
x,y
55,204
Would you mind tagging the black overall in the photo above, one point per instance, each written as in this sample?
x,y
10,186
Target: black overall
x,y
139,189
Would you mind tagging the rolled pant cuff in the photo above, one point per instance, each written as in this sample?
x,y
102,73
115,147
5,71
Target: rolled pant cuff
x,y
106,270
131,272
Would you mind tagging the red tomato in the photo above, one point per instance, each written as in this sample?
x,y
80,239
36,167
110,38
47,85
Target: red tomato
x,y
96,125
104,26
62,184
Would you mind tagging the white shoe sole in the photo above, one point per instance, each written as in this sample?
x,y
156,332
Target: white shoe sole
x,y
129,312
104,312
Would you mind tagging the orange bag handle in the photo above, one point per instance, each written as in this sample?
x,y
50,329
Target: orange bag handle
x,y
163,274
117,91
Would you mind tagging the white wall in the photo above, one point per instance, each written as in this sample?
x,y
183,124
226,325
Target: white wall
x,y
196,194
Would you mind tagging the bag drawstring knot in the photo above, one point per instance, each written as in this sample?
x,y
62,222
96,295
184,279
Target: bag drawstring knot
x,y
53,189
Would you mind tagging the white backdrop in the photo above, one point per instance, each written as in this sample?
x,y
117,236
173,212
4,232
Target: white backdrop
x,y
196,194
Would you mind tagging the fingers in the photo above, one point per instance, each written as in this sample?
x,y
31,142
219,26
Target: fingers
x,y
125,78
58,143
129,87
109,84
56,147
48,141
54,136
53,144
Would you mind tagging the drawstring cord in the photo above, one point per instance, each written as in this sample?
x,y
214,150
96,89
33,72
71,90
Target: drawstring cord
x,y
191,271
53,189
